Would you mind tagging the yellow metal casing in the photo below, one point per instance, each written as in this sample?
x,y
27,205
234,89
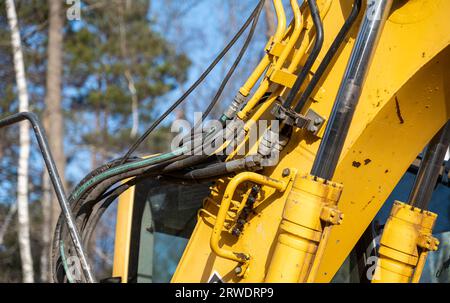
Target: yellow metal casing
x,y
403,104
405,101
310,208
122,239
406,238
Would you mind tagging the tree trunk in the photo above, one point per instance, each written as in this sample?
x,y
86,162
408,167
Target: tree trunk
x,y
53,113
24,153
6,222
131,85
270,19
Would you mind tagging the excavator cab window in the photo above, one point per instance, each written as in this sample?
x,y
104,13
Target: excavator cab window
x,y
164,217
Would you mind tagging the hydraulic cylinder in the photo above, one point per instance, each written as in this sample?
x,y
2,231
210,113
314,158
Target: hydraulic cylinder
x,y
406,240
309,212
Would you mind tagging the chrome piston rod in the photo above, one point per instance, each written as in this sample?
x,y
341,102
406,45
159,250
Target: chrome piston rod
x,y
430,168
351,87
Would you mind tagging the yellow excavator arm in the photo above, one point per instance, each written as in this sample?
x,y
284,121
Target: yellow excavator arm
x,y
357,89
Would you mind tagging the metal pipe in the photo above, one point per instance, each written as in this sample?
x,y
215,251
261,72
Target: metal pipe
x,y
225,204
430,168
312,57
266,60
281,20
57,184
350,89
330,54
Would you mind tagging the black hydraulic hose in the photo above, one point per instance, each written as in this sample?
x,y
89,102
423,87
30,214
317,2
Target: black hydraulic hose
x,y
197,83
92,194
98,189
315,14
209,171
87,216
330,55
235,64
221,168
180,164
112,172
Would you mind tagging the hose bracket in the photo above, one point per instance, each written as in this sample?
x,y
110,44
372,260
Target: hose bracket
x,y
311,121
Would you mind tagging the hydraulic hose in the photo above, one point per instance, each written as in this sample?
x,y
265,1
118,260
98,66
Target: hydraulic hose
x,y
235,64
222,168
94,186
87,215
329,55
315,14
202,77
57,184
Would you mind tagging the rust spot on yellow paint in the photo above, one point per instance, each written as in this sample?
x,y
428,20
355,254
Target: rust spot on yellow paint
x,y
399,113
356,164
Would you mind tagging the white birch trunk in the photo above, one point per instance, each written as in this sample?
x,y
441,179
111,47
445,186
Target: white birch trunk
x,y
22,180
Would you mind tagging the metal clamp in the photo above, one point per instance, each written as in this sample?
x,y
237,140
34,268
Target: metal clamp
x,y
311,121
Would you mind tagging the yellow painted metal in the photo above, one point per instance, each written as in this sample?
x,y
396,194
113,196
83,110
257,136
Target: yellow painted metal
x,y
310,209
298,56
279,62
243,258
254,77
295,55
404,245
123,234
405,101
277,37
283,77
281,19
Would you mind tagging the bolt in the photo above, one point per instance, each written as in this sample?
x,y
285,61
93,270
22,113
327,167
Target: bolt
x,y
236,232
317,121
286,172
312,129
238,270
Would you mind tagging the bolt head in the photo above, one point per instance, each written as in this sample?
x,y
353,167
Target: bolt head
x,y
313,129
286,172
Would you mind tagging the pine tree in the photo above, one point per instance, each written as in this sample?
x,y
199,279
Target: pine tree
x,y
118,66
116,69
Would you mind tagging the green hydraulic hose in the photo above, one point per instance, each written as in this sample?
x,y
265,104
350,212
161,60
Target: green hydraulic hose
x,y
124,168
